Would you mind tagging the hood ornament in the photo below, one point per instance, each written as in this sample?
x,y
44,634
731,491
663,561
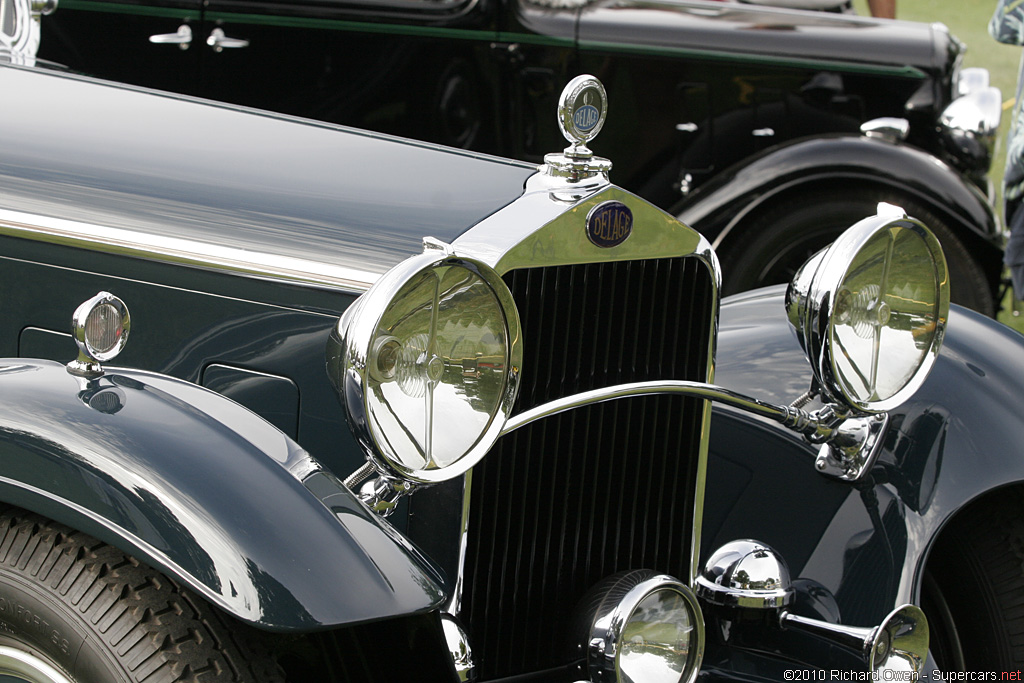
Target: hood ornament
x,y
582,109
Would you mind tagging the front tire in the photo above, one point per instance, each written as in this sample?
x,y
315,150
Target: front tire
x,y
974,587
75,610
775,243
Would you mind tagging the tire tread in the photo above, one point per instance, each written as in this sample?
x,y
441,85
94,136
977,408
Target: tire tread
x,y
980,566
158,631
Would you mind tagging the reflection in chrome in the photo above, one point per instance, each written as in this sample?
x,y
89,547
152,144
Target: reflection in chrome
x,y
458,648
898,644
643,626
435,342
871,311
219,41
748,575
100,328
182,37
969,125
19,29
849,443
971,80
24,666
582,109
886,128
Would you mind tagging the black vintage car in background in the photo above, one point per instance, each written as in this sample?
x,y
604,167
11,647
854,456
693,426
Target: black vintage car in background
x,y
714,101
385,410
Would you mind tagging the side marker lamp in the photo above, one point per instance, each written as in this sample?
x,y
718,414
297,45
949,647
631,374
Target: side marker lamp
x,y
100,328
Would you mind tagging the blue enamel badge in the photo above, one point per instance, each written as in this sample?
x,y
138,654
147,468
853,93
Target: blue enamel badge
x,y
609,224
586,117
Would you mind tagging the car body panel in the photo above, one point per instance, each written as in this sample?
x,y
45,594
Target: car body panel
x,y
125,475
732,31
167,67
339,187
478,74
719,208
698,86
181,478
865,547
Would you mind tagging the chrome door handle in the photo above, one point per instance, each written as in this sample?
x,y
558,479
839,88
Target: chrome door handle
x,y
183,38
218,41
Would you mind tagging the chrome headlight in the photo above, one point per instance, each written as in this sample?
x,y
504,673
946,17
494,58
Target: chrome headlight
x,y
642,626
969,125
427,364
871,311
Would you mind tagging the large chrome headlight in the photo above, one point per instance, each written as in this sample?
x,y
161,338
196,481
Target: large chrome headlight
x,y
427,364
871,311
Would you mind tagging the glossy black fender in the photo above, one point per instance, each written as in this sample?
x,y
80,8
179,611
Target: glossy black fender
x,y
205,491
838,163
861,548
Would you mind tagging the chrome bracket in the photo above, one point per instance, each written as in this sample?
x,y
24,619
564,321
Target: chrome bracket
x,y
853,448
379,493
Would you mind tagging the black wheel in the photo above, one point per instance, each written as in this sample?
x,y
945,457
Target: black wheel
x,y
74,610
974,589
778,241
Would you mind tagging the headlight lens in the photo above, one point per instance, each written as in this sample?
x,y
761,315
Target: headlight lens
x,y
642,626
885,315
871,311
657,639
434,349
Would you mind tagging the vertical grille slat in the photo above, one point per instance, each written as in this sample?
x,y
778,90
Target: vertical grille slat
x,y
569,500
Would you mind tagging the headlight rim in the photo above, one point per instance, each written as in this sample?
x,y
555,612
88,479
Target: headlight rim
x,y
810,305
604,643
349,366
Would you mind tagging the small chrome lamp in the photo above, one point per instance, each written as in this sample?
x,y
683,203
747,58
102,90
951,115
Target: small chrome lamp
x,y
100,327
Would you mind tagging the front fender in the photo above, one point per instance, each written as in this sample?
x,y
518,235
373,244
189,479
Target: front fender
x,y
958,439
198,487
717,208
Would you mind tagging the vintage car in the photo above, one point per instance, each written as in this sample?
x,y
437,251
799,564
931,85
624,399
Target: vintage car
x,y
393,411
767,129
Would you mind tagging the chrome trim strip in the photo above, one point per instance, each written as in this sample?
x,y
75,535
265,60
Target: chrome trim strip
x,y
183,251
783,414
454,606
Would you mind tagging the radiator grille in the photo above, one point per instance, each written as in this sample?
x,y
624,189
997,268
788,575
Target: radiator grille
x,y
569,500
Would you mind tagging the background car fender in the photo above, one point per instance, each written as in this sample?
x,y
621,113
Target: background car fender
x,y
207,492
837,164
866,545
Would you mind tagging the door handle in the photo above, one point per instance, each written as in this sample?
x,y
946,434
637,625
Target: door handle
x,y
218,41
183,38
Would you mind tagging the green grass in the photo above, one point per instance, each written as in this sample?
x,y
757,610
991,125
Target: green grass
x,y
968,21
